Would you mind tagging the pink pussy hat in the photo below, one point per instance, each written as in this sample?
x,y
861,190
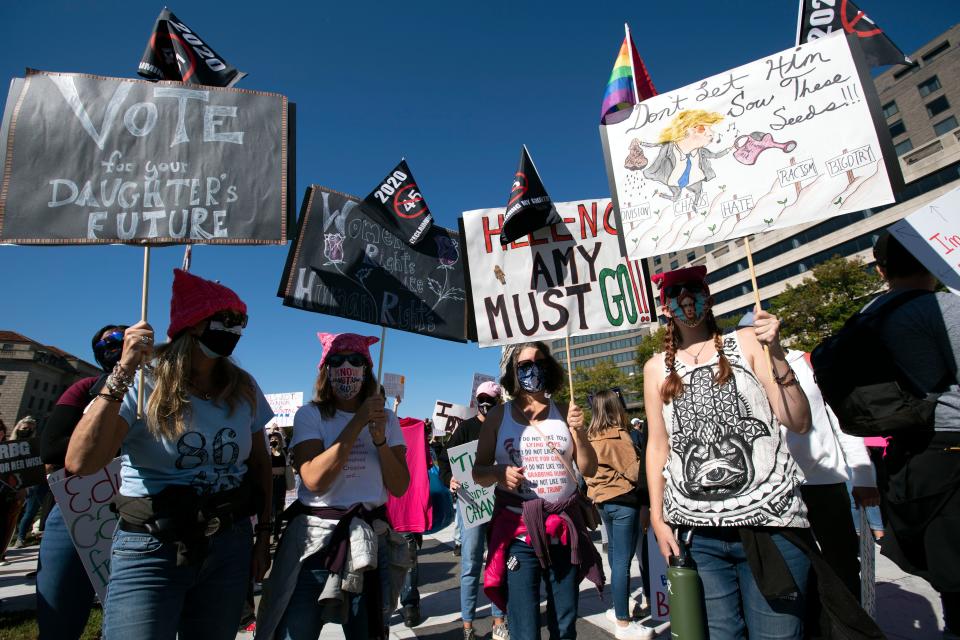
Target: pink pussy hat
x,y
334,342
489,388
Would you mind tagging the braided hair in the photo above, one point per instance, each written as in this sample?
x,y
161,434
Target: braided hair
x,y
673,385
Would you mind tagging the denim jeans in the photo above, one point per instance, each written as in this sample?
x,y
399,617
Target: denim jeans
x,y
734,604
457,526
410,591
35,496
471,567
64,592
623,527
150,598
523,593
303,618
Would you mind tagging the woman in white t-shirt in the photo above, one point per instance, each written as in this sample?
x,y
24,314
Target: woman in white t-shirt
x,y
349,452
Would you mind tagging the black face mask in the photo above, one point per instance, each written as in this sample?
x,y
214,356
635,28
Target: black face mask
x,y
483,407
218,343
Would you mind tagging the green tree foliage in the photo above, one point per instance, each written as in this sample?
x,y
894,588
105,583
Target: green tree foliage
x,y
818,307
649,345
602,375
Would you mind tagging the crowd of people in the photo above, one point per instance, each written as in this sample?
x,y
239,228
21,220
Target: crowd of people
x,y
741,463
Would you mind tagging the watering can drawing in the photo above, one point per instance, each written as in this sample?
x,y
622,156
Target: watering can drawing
x,y
749,147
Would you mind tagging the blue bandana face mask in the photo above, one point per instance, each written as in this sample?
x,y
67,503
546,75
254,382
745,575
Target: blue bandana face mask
x,y
530,376
689,308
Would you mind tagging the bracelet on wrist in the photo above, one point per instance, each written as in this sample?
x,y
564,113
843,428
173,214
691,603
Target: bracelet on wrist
x,y
380,444
109,397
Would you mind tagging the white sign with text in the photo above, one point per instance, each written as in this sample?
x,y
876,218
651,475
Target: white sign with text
x,y
932,235
284,407
474,501
447,416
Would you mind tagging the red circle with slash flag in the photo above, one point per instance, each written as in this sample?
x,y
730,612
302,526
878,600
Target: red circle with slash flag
x,y
519,188
850,23
408,202
187,73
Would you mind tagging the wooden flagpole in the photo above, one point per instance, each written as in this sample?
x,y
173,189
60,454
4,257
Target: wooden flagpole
x,y
756,297
569,368
143,318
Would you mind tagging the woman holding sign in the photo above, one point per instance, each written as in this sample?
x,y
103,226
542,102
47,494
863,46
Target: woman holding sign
x,y
350,452
718,463
535,451
194,469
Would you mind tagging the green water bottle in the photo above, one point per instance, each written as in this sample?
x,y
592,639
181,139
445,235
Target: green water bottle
x,y
685,595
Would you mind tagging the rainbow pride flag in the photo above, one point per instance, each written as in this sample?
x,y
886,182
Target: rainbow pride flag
x,y
629,78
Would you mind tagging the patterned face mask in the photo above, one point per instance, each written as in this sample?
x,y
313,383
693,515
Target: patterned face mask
x,y
530,377
689,308
346,381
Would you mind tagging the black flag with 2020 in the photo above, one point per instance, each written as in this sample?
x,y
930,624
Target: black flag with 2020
x,y
176,52
397,203
818,19
529,207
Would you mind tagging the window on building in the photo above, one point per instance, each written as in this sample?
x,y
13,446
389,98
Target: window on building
x,y
691,256
656,260
3,379
937,50
46,387
36,383
897,128
674,264
944,126
890,109
7,346
30,403
928,86
938,105
905,71
902,147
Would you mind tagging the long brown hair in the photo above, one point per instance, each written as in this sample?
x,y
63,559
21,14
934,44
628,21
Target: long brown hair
x,y
673,385
169,405
608,413
326,399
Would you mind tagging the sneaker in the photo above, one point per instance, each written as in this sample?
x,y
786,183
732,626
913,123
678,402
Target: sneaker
x,y
500,632
633,631
411,615
19,544
469,633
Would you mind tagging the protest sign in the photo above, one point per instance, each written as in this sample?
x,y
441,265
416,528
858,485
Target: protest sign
x,y
88,159
932,235
447,416
566,280
20,463
284,407
474,501
657,572
479,379
792,138
393,385
85,504
345,263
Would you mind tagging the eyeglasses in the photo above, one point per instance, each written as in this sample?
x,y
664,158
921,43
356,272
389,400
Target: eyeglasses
x,y
110,341
674,290
355,359
230,319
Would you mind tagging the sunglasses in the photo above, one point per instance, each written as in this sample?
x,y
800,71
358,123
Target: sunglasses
x,y
355,359
674,290
110,341
230,319
485,399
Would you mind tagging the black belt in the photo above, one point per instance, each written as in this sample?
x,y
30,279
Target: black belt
x,y
214,526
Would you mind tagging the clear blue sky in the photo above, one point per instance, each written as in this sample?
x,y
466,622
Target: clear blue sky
x,y
455,87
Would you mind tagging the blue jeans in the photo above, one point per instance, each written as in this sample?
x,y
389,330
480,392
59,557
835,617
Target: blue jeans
x,y
410,591
150,598
474,541
64,592
623,528
303,619
734,603
457,526
523,593
35,496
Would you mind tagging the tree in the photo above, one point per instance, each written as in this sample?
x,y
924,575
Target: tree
x,y
649,345
818,307
602,375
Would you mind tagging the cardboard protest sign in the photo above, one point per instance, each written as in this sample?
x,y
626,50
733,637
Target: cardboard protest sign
x,y
393,385
657,571
474,501
478,379
344,263
284,407
85,504
569,279
20,463
447,416
792,138
932,235
88,160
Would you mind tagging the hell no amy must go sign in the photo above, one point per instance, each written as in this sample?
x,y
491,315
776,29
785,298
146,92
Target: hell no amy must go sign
x,y
88,159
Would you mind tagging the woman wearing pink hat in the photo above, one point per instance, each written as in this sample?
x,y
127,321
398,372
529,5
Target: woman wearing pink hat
x,y
334,560
194,468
